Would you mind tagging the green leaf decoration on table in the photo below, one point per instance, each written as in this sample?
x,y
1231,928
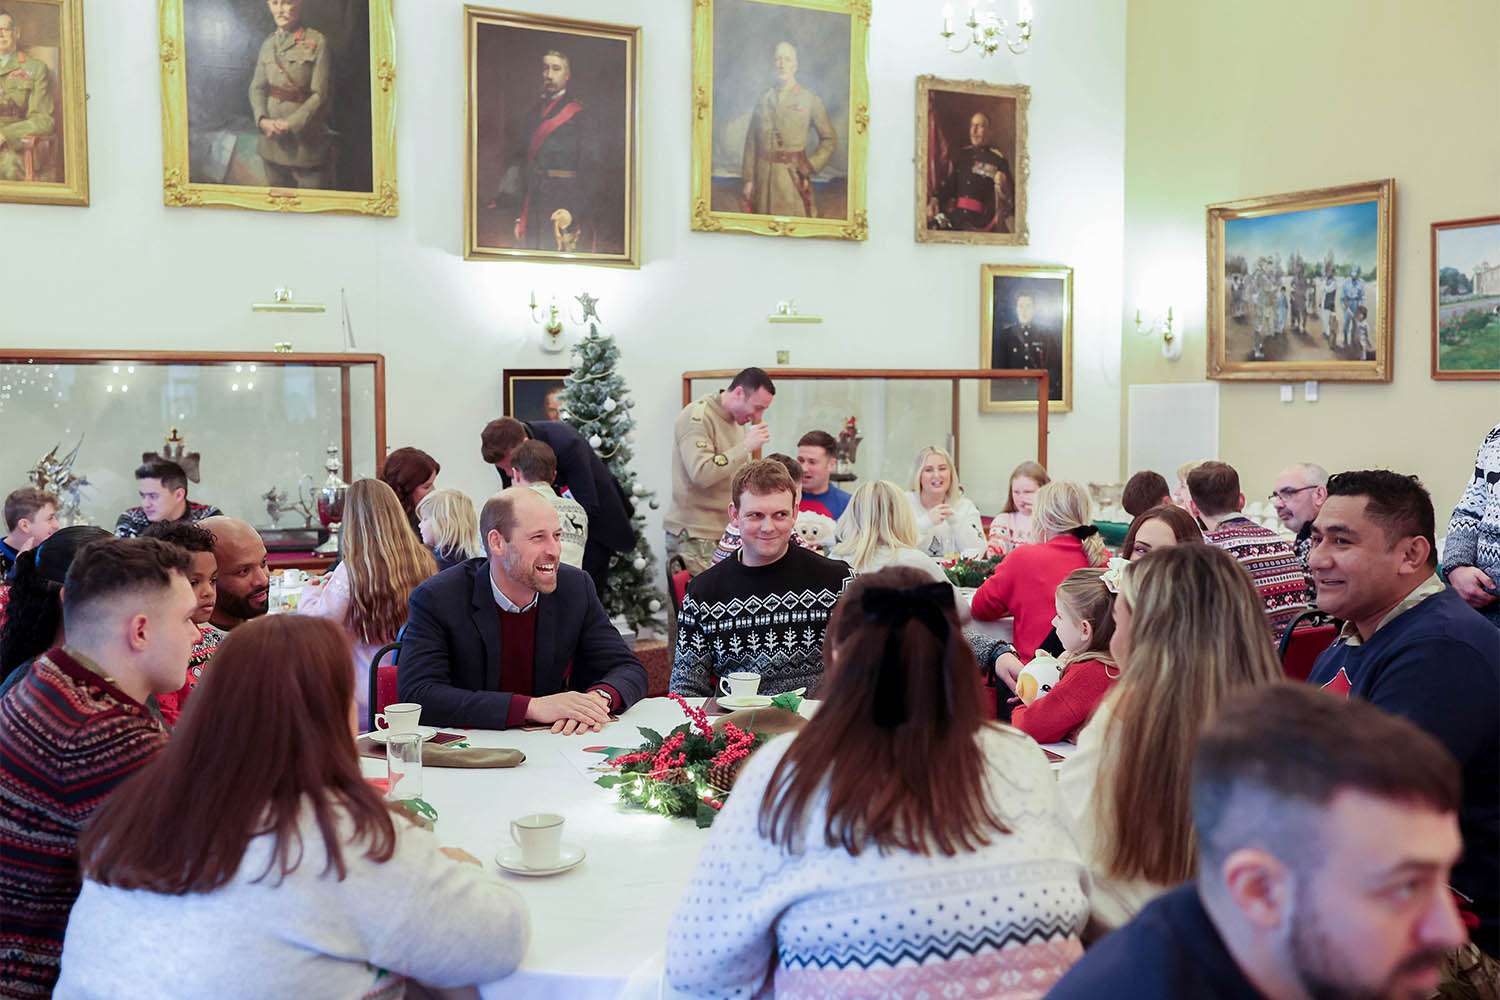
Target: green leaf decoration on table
x,y
610,753
706,815
651,736
790,700
611,780
969,572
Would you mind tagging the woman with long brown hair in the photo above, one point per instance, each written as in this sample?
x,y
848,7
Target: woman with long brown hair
x,y
412,473
1189,631
367,593
895,825
256,853
1160,528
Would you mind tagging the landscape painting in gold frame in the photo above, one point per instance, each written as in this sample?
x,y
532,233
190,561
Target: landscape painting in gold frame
x,y
295,115
781,117
1026,321
44,145
1466,299
1302,285
550,156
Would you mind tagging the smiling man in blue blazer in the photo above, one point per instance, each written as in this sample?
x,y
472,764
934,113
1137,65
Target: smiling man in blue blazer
x,y
516,637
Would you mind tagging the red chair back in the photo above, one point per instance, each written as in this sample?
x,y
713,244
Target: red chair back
x,y
383,690
1301,648
680,581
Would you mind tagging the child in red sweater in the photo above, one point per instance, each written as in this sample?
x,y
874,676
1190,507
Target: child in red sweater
x,y
1085,621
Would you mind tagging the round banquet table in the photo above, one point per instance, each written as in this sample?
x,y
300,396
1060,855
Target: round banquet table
x,y
598,930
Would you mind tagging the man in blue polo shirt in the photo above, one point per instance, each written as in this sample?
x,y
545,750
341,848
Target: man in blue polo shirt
x,y
1416,649
1326,831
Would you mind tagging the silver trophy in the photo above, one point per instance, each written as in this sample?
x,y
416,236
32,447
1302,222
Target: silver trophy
x,y
331,500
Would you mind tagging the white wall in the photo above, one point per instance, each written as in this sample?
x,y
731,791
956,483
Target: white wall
x,y
128,272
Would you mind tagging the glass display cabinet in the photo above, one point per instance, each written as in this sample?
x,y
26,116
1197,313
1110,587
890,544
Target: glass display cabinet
x,y
883,417
253,430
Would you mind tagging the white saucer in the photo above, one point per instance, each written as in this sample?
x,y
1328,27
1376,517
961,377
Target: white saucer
x,y
569,856
746,701
382,735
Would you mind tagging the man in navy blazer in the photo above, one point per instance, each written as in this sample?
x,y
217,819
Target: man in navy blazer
x,y
516,637
582,472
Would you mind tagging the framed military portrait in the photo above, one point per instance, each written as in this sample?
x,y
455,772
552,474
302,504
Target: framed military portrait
x,y
550,148
781,117
1026,320
1301,285
534,393
279,105
43,127
972,163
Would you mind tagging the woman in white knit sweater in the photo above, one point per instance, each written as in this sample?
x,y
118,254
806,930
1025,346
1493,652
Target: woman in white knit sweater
x,y
251,856
899,845
948,523
1189,632
878,530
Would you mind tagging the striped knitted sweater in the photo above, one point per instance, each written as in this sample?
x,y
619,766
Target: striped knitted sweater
x,y
1474,530
68,736
999,921
1273,566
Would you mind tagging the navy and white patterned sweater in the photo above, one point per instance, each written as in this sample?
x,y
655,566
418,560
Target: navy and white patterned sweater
x,y
1474,529
766,620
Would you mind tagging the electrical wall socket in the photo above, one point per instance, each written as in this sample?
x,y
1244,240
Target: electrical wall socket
x,y
1286,393
1310,390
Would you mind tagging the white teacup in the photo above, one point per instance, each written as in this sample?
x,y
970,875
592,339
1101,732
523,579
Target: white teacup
x,y
402,717
539,836
740,684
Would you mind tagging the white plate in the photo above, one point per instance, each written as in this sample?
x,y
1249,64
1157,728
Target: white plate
x,y
382,735
569,856
746,701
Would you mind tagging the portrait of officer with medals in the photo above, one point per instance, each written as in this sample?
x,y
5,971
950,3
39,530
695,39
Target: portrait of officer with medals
x,y
43,147
1028,323
290,97
551,139
971,162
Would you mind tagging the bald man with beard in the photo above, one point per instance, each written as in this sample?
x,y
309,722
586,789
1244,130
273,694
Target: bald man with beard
x,y
244,583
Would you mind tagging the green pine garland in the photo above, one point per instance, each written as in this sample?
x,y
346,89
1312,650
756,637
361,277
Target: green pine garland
x,y
597,403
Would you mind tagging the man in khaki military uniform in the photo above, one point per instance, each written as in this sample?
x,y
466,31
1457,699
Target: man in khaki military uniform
x,y
711,446
290,98
26,101
777,168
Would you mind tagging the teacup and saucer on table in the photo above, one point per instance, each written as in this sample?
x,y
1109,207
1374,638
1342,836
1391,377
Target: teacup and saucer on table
x,y
741,690
399,719
538,847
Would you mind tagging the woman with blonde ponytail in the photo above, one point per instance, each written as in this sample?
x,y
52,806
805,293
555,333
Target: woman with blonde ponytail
x,y
383,562
1025,583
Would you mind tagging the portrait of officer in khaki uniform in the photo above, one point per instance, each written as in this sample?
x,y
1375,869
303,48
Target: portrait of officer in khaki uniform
x,y
778,168
290,98
27,103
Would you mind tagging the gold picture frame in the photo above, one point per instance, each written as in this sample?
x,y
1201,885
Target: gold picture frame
x,y
53,160
1012,336
591,139
790,193
1275,315
945,110
183,183
1466,299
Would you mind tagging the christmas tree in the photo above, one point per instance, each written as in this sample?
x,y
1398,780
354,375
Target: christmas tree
x,y
596,402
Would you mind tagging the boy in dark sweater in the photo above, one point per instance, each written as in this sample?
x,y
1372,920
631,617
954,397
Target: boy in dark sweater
x,y
1326,830
764,610
1414,648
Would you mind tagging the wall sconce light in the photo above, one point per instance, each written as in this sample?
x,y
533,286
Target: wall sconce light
x,y
552,326
1171,340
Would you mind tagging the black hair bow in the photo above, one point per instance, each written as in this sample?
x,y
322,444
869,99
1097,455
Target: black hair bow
x,y
893,608
1083,531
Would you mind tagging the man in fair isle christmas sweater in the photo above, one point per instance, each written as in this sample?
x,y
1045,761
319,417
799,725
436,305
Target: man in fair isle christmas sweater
x,y
764,610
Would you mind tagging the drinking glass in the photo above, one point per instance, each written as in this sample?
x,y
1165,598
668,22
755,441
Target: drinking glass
x,y
403,759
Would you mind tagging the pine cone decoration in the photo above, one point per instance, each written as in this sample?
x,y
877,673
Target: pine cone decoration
x,y
722,776
676,776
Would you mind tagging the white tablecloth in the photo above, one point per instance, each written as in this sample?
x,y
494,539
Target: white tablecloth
x,y
599,930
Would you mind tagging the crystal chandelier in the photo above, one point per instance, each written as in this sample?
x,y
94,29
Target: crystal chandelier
x,y
986,30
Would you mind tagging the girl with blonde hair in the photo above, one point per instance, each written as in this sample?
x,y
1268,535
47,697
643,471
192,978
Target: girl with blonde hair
x,y
1025,583
449,526
1189,631
1085,624
948,523
1013,527
383,562
878,530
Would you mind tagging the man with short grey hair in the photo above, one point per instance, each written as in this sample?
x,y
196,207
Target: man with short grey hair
x,y
1298,496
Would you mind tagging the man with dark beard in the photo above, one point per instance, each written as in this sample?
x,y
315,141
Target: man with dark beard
x,y
244,583
1326,830
516,637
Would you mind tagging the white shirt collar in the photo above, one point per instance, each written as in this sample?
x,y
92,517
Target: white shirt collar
x,y
505,603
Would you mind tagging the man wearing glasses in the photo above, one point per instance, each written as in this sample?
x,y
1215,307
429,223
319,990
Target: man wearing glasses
x,y
1298,496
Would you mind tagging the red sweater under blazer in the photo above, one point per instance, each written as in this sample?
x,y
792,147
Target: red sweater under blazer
x,y
1025,585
